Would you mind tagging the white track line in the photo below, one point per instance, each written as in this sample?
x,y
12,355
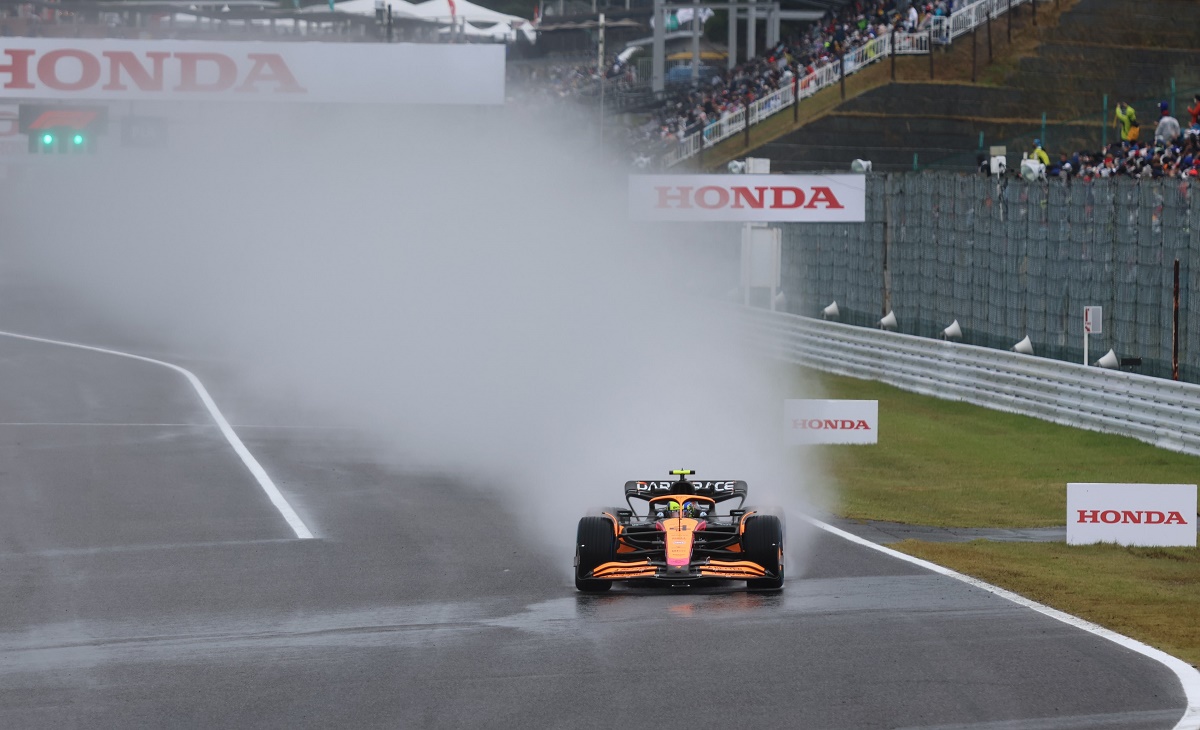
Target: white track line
x,y
264,480
275,427
1188,676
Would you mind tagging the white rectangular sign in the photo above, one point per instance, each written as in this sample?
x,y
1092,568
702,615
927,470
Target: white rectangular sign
x,y
12,142
831,421
1093,320
1159,515
748,198
761,249
69,69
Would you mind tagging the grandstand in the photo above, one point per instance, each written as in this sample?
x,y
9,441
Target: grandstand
x,y
1136,53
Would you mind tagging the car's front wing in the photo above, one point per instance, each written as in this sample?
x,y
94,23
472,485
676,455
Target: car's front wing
x,y
698,569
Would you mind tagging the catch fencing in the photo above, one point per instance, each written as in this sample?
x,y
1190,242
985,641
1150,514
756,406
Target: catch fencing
x,y
1161,412
941,31
1008,259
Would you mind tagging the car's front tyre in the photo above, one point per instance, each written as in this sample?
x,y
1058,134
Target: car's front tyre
x,y
762,542
595,544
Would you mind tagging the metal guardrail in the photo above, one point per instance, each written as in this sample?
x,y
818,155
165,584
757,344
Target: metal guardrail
x,y
942,30
1164,413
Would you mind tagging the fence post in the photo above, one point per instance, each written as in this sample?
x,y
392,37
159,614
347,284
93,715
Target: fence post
x,y
746,121
1034,4
974,53
1175,327
1104,125
989,29
796,96
1045,142
931,51
914,162
893,54
842,65
1008,12
887,242
1173,107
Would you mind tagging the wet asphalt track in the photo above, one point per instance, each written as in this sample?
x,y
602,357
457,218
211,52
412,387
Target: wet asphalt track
x,y
146,581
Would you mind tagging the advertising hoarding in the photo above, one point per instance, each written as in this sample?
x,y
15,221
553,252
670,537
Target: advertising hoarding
x,y
748,198
1158,515
816,421
69,69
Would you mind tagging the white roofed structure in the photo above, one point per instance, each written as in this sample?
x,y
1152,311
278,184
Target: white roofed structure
x,y
400,8
439,10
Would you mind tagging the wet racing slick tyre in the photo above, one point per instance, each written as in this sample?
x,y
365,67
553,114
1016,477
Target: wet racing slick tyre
x,y
762,543
595,544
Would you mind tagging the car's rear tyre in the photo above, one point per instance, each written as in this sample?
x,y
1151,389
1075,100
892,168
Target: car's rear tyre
x,y
762,542
595,544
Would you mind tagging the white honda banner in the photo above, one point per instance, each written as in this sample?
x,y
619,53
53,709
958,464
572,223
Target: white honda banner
x,y
831,421
748,198
1158,515
69,69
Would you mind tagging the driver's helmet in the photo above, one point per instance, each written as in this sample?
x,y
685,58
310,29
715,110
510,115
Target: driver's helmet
x,y
673,508
691,509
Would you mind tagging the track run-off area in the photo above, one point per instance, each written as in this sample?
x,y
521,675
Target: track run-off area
x,y
175,553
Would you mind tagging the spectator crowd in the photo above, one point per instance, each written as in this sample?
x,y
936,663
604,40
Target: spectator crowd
x,y
1170,150
721,93
724,93
1168,147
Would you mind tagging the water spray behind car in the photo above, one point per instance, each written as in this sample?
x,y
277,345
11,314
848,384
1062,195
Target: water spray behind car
x,y
465,292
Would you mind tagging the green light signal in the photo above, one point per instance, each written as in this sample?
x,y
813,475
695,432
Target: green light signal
x,y
77,139
47,139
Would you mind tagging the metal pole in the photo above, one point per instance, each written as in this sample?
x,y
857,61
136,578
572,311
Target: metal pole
x,y
974,53
746,119
389,23
1104,125
887,242
731,59
796,96
1173,107
695,47
1175,327
1034,4
659,51
842,69
1009,13
893,54
1045,142
603,69
931,52
751,31
989,29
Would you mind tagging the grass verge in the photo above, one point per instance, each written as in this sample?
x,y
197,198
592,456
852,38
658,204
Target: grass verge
x,y
1149,594
951,464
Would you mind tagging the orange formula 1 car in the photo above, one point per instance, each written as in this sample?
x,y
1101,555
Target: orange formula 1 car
x,y
681,538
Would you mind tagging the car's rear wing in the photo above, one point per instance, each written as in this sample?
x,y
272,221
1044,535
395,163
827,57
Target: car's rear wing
x,y
719,490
